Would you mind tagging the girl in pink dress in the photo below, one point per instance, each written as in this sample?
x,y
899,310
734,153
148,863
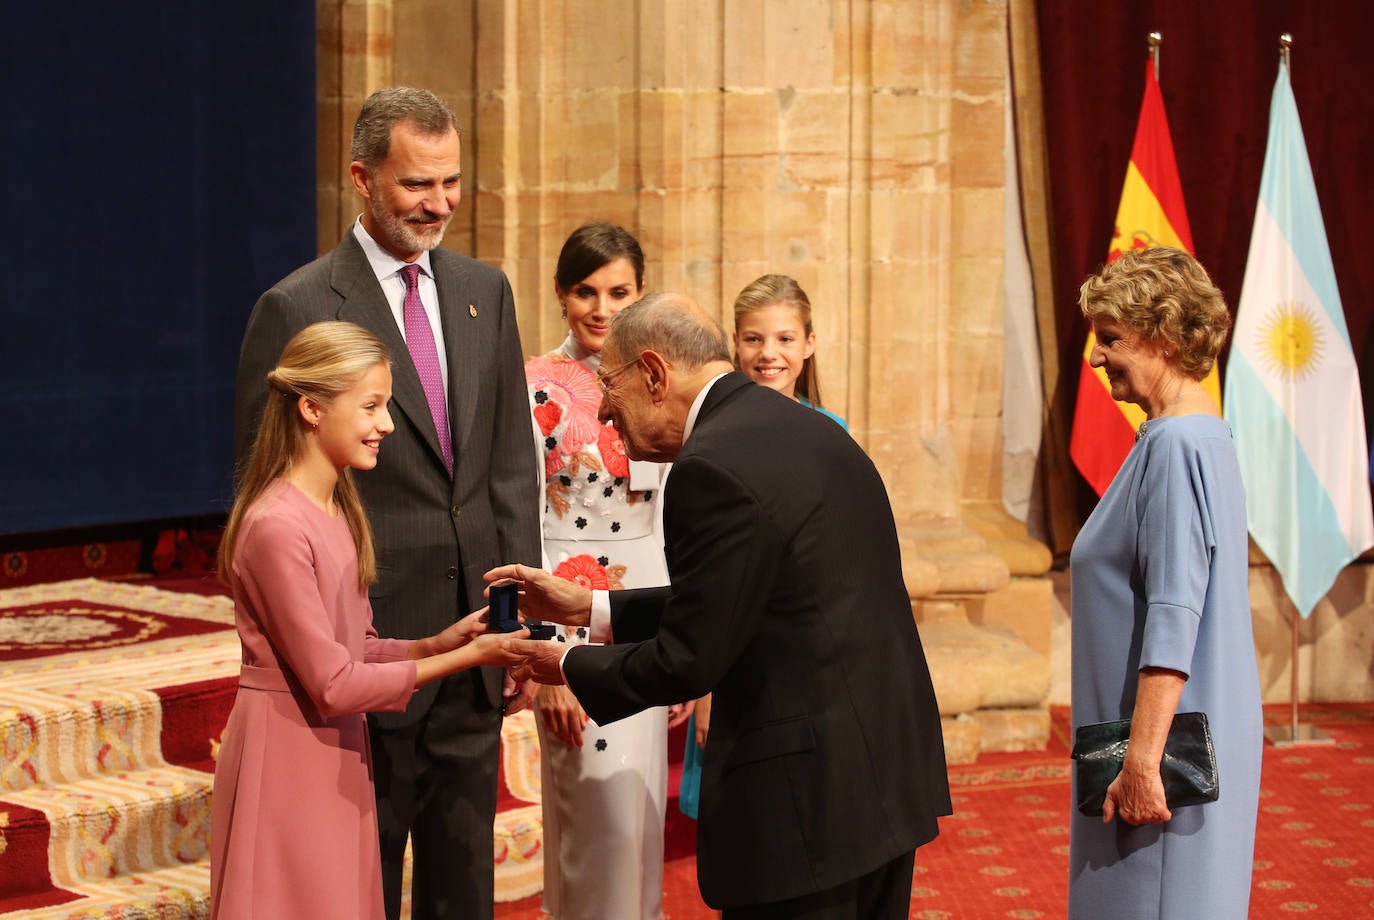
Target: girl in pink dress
x,y
293,821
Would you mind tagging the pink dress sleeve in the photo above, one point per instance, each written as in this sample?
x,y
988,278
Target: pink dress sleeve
x,y
276,565
378,649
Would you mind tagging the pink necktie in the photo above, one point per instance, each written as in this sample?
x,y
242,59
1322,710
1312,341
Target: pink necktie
x,y
420,343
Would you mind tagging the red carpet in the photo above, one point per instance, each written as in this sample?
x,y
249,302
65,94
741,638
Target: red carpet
x,y
112,697
44,564
1004,853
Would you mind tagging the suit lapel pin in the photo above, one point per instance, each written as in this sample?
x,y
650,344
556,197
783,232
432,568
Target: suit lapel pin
x,y
472,310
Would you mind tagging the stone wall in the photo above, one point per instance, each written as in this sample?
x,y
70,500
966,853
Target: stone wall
x,y
855,144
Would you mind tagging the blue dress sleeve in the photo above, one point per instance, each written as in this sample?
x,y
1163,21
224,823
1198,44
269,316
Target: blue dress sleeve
x,y
1174,550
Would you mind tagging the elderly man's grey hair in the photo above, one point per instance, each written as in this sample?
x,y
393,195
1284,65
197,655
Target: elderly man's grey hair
x,y
671,325
385,109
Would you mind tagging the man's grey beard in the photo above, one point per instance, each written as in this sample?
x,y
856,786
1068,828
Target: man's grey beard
x,y
399,232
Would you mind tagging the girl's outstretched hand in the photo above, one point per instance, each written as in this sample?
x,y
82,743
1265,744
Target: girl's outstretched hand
x,y
497,649
460,633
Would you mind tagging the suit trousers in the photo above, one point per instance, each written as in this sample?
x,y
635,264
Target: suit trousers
x,y
436,783
883,894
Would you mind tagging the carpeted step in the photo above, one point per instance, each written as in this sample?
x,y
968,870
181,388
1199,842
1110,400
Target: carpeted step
x,y
174,893
102,672
113,699
114,696
103,827
47,739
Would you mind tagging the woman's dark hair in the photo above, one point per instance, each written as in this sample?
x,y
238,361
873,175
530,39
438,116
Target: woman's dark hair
x,y
592,246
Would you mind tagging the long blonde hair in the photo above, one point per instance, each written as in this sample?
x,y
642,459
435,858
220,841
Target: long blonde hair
x,y
320,362
767,290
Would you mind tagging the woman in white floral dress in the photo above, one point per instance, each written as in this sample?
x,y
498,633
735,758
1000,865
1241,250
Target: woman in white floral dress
x,y
604,787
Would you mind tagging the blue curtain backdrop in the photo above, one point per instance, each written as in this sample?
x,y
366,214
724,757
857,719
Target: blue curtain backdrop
x,y
159,169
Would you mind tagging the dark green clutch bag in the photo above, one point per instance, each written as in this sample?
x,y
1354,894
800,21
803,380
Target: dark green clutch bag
x,y
1189,767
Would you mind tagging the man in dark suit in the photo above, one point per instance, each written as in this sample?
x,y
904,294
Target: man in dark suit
x,y
824,767
454,491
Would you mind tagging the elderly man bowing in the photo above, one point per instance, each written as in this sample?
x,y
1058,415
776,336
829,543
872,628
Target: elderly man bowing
x,y
824,768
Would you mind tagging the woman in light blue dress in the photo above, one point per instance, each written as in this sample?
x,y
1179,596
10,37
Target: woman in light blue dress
x,y
1161,607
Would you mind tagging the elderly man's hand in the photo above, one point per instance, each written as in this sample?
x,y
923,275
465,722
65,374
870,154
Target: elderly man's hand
x,y
546,597
541,660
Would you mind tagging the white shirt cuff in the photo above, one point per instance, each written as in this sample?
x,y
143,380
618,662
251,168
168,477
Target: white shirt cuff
x,y
599,629
600,625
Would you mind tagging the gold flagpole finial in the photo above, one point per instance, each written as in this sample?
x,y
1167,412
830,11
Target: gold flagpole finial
x,y
1286,46
1155,40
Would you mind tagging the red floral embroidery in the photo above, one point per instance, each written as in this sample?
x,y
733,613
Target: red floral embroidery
x,y
548,416
585,571
612,447
553,462
572,387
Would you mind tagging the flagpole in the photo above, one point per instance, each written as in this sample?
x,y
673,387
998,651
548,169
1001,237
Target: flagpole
x,y
1295,733
1155,40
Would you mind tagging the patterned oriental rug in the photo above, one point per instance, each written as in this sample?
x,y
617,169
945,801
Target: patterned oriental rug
x,y
113,700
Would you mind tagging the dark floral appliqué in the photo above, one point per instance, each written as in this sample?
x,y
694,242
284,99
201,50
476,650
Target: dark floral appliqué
x,y
615,527
581,523
601,744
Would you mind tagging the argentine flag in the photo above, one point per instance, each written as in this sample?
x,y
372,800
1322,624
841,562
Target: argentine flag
x,y
1292,388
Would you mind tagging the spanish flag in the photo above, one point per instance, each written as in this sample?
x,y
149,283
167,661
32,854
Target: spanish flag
x,y
1151,213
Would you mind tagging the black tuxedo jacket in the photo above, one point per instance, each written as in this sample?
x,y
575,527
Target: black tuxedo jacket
x,y
434,533
825,757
